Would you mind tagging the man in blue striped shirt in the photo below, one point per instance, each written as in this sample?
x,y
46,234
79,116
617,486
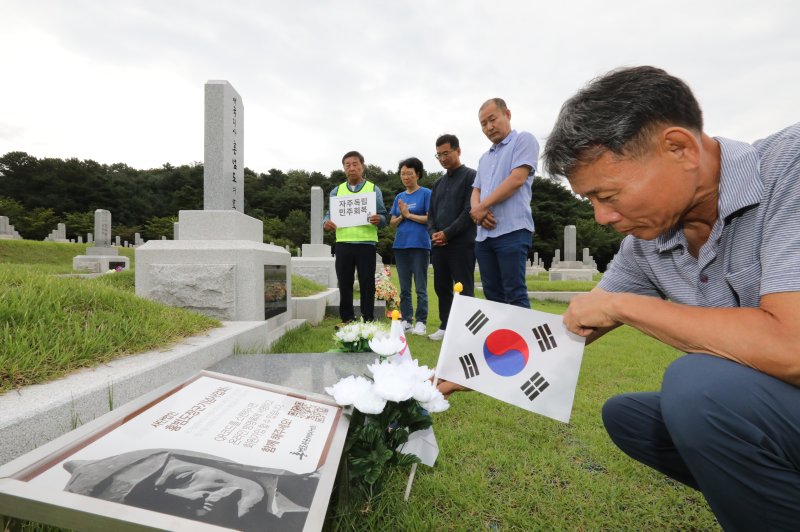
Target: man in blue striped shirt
x,y
710,266
501,205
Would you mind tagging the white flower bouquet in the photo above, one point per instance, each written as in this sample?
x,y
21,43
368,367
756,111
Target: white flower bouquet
x,y
354,337
396,401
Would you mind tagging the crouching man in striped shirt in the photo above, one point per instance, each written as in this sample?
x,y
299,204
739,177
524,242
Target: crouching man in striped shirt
x,y
710,266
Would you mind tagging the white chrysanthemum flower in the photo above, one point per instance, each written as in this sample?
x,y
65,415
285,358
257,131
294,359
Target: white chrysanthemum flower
x,y
437,404
385,345
349,336
425,392
392,382
414,370
348,389
370,403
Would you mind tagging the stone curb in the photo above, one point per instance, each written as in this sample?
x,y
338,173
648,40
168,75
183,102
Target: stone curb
x,y
35,415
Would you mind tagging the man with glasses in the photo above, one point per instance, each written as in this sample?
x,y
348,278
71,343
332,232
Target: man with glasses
x,y
501,205
451,229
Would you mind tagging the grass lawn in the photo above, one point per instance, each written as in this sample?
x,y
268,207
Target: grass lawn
x,y
499,467
48,257
503,468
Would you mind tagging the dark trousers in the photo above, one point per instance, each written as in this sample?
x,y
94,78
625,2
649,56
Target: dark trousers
x,y
349,258
451,266
728,430
502,263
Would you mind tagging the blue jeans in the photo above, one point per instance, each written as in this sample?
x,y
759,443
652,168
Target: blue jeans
x,y
502,262
413,262
728,430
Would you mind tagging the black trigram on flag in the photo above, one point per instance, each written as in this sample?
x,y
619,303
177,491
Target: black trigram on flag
x,y
469,366
534,386
476,322
544,337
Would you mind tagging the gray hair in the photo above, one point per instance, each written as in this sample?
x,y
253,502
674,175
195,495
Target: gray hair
x,y
619,112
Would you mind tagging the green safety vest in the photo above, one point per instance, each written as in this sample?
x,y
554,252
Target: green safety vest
x,y
359,233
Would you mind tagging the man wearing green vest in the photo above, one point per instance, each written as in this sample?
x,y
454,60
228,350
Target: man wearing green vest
x,y
356,246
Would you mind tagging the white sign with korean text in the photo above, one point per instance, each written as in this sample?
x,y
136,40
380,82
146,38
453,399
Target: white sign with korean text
x,y
353,209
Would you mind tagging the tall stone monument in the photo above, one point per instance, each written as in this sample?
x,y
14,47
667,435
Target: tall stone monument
x,y
570,268
316,262
102,256
218,263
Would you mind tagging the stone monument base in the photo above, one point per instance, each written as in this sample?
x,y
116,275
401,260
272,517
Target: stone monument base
x,y
224,279
100,263
321,270
571,274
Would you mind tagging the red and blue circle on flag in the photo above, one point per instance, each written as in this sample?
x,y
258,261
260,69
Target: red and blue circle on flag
x,y
506,352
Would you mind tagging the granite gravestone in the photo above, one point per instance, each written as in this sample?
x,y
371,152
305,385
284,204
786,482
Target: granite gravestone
x,y
219,264
102,256
316,262
570,268
7,231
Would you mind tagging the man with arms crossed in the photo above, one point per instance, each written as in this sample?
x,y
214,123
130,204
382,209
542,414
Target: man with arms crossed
x,y
356,246
451,229
710,266
501,205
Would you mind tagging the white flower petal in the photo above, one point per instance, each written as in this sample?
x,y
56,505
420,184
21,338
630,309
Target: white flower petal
x,y
437,404
369,403
385,345
347,390
425,392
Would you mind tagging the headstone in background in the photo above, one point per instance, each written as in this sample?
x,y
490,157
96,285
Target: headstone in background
x,y
314,260
175,231
536,268
80,239
117,240
7,231
102,256
570,268
570,246
90,238
220,263
137,239
59,234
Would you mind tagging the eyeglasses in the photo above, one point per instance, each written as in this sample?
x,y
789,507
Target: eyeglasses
x,y
444,154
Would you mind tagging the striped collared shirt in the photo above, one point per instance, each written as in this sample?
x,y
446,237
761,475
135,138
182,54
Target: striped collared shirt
x,y
516,150
753,248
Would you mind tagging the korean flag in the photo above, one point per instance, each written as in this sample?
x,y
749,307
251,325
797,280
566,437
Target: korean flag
x,y
524,357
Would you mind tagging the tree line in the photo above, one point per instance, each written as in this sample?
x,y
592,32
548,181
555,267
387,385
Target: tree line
x,y
37,194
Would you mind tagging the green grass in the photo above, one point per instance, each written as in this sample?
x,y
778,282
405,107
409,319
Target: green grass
x,y
499,467
302,287
50,326
503,468
48,257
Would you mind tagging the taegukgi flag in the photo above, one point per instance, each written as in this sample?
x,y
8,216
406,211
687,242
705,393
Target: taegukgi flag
x,y
524,357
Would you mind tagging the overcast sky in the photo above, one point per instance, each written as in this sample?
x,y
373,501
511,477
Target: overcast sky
x,y
122,81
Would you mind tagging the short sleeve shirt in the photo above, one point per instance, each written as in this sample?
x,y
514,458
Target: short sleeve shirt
x,y
516,150
411,234
753,248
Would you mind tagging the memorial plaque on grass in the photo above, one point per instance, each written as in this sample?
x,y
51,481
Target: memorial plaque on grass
x,y
270,454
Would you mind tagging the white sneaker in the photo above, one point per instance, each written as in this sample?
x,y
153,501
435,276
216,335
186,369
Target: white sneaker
x,y
438,335
406,325
419,329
